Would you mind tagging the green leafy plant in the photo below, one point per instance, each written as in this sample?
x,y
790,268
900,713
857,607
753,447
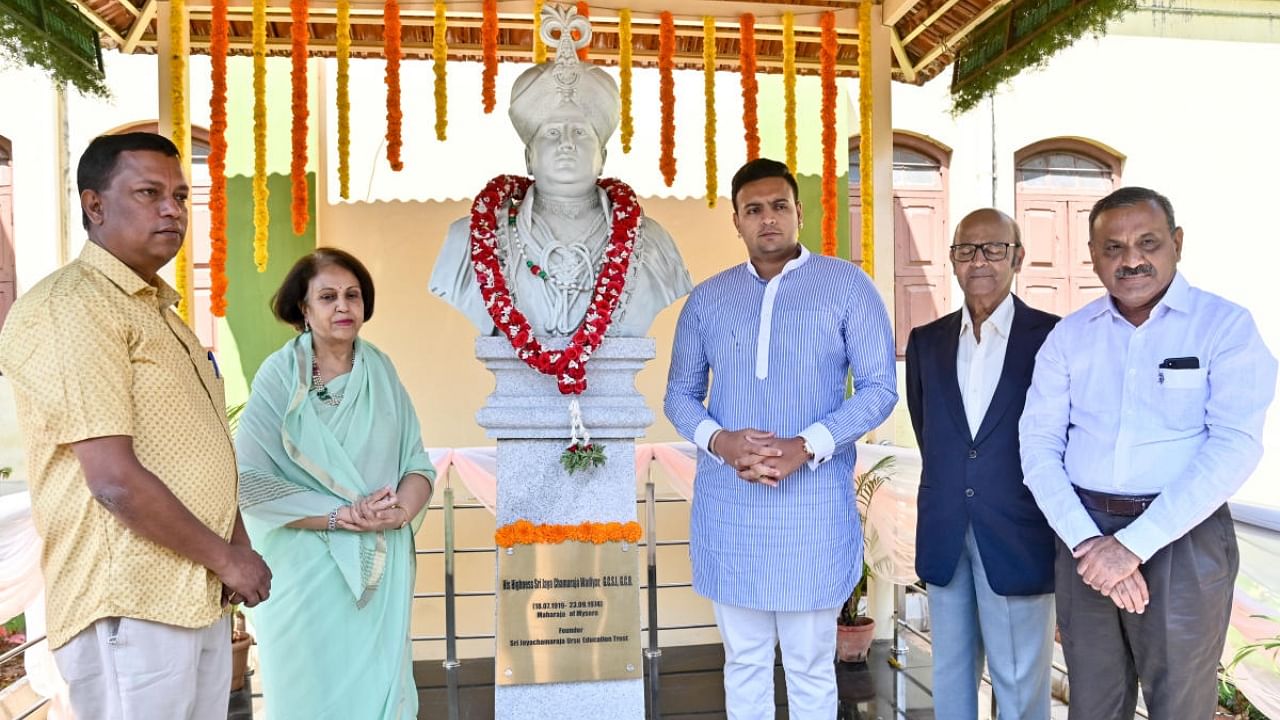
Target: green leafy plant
x,y
23,46
865,486
233,417
582,456
1089,18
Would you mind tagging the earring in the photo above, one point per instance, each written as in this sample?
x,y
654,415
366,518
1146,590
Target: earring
x,y
306,325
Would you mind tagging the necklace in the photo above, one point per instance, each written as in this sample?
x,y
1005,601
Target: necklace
x,y
321,389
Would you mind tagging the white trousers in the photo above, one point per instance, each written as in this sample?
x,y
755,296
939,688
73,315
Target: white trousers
x,y
1015,633
129,669
808,642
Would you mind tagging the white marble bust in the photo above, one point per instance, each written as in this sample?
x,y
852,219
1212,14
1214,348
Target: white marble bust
x,y
564,112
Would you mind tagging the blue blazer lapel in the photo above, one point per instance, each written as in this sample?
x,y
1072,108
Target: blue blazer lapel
x,y
950,385
1016,360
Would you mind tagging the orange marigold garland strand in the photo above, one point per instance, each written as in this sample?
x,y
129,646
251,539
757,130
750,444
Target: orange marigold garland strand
x,y
709,96
523,532
539,47
667,94
439,57
219,40
298,33
391,49
344,98
750,87
829,200
261,194
585,51
178,110
489,43
865,160
789,85
624,75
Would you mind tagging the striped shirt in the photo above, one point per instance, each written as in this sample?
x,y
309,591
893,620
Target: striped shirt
x,y
781,352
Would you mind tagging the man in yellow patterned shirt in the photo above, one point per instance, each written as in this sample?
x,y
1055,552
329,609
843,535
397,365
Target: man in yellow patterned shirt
x,y
132,471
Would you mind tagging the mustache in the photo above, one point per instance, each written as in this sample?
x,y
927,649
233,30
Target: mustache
x,y
1126,272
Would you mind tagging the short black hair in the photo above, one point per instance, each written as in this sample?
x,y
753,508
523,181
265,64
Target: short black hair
x,y
286,304
98,163
759,169
1129,196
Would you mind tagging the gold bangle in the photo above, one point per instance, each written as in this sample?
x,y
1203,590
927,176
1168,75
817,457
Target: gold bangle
x,y
406,516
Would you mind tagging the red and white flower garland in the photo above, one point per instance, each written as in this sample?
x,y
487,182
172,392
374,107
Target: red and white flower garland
x,y
568,366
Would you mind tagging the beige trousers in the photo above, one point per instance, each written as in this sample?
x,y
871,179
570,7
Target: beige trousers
x,y
129,669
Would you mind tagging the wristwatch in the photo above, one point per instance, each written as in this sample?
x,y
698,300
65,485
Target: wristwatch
x,y
808,449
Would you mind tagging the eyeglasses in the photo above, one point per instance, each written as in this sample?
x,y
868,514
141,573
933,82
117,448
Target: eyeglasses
x,y
991,251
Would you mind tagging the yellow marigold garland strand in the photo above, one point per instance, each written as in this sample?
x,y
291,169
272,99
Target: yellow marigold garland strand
x,y
439,57
789,85
829,199
219,41
391,49
750,86
298,34
667,96
624,74
523,532
539,47
178,112
865,160
344,98
709,96
489,44
261,213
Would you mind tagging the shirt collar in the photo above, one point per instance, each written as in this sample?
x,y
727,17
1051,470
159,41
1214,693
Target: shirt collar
x,y
792,264
123,277
1001,318
1177,297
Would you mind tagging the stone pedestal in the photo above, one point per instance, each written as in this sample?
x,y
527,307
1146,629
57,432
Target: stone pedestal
x,y
529,418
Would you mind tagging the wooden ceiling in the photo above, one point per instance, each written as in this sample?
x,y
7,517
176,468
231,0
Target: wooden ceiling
x,y
923,34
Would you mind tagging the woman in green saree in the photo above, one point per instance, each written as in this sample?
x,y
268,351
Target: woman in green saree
x,y
334,482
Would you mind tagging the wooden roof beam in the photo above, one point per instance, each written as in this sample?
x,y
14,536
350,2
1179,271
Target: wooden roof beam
x,y
139,26
98,22
933,17
895,10
951,42
900,53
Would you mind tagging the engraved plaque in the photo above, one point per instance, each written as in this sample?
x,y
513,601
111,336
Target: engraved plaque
x,y
567,613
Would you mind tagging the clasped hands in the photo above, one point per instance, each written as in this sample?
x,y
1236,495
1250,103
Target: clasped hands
x,y
379,510
1109,567
759,456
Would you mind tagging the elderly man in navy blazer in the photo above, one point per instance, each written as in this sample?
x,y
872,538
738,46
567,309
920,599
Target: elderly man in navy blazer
x,y
982,546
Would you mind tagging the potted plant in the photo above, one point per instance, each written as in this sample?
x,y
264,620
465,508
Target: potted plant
x,y
854,630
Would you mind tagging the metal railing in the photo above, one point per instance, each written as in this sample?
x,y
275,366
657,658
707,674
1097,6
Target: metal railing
x,y
17,652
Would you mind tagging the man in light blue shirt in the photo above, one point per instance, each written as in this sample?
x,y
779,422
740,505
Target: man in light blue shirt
x,y
1144,416
775,540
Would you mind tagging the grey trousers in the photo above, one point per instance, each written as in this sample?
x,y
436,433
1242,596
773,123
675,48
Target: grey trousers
x,y
1172,649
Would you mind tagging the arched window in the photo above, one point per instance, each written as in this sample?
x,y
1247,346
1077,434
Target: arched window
x,y
199,247
921,268
1057,182
8,273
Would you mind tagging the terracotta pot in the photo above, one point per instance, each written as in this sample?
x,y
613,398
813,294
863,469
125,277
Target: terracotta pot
x,y
239,660
853,642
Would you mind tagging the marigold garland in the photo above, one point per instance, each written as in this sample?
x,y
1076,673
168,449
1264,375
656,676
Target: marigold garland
x,y
439,57
539,47
219,40
789,85
750,87
391,50
585,51
667,95
624,75
829,200
344,98
865,160
261,213
489,43
523,532
178,113
298,34
709,95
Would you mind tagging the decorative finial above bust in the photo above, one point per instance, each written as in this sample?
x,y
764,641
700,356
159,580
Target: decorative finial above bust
x,y
559,23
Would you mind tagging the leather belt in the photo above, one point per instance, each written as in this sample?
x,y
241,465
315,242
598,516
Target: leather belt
x,y
1120,505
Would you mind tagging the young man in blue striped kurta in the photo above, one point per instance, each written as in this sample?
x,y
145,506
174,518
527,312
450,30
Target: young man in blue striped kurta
x,y
775,540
